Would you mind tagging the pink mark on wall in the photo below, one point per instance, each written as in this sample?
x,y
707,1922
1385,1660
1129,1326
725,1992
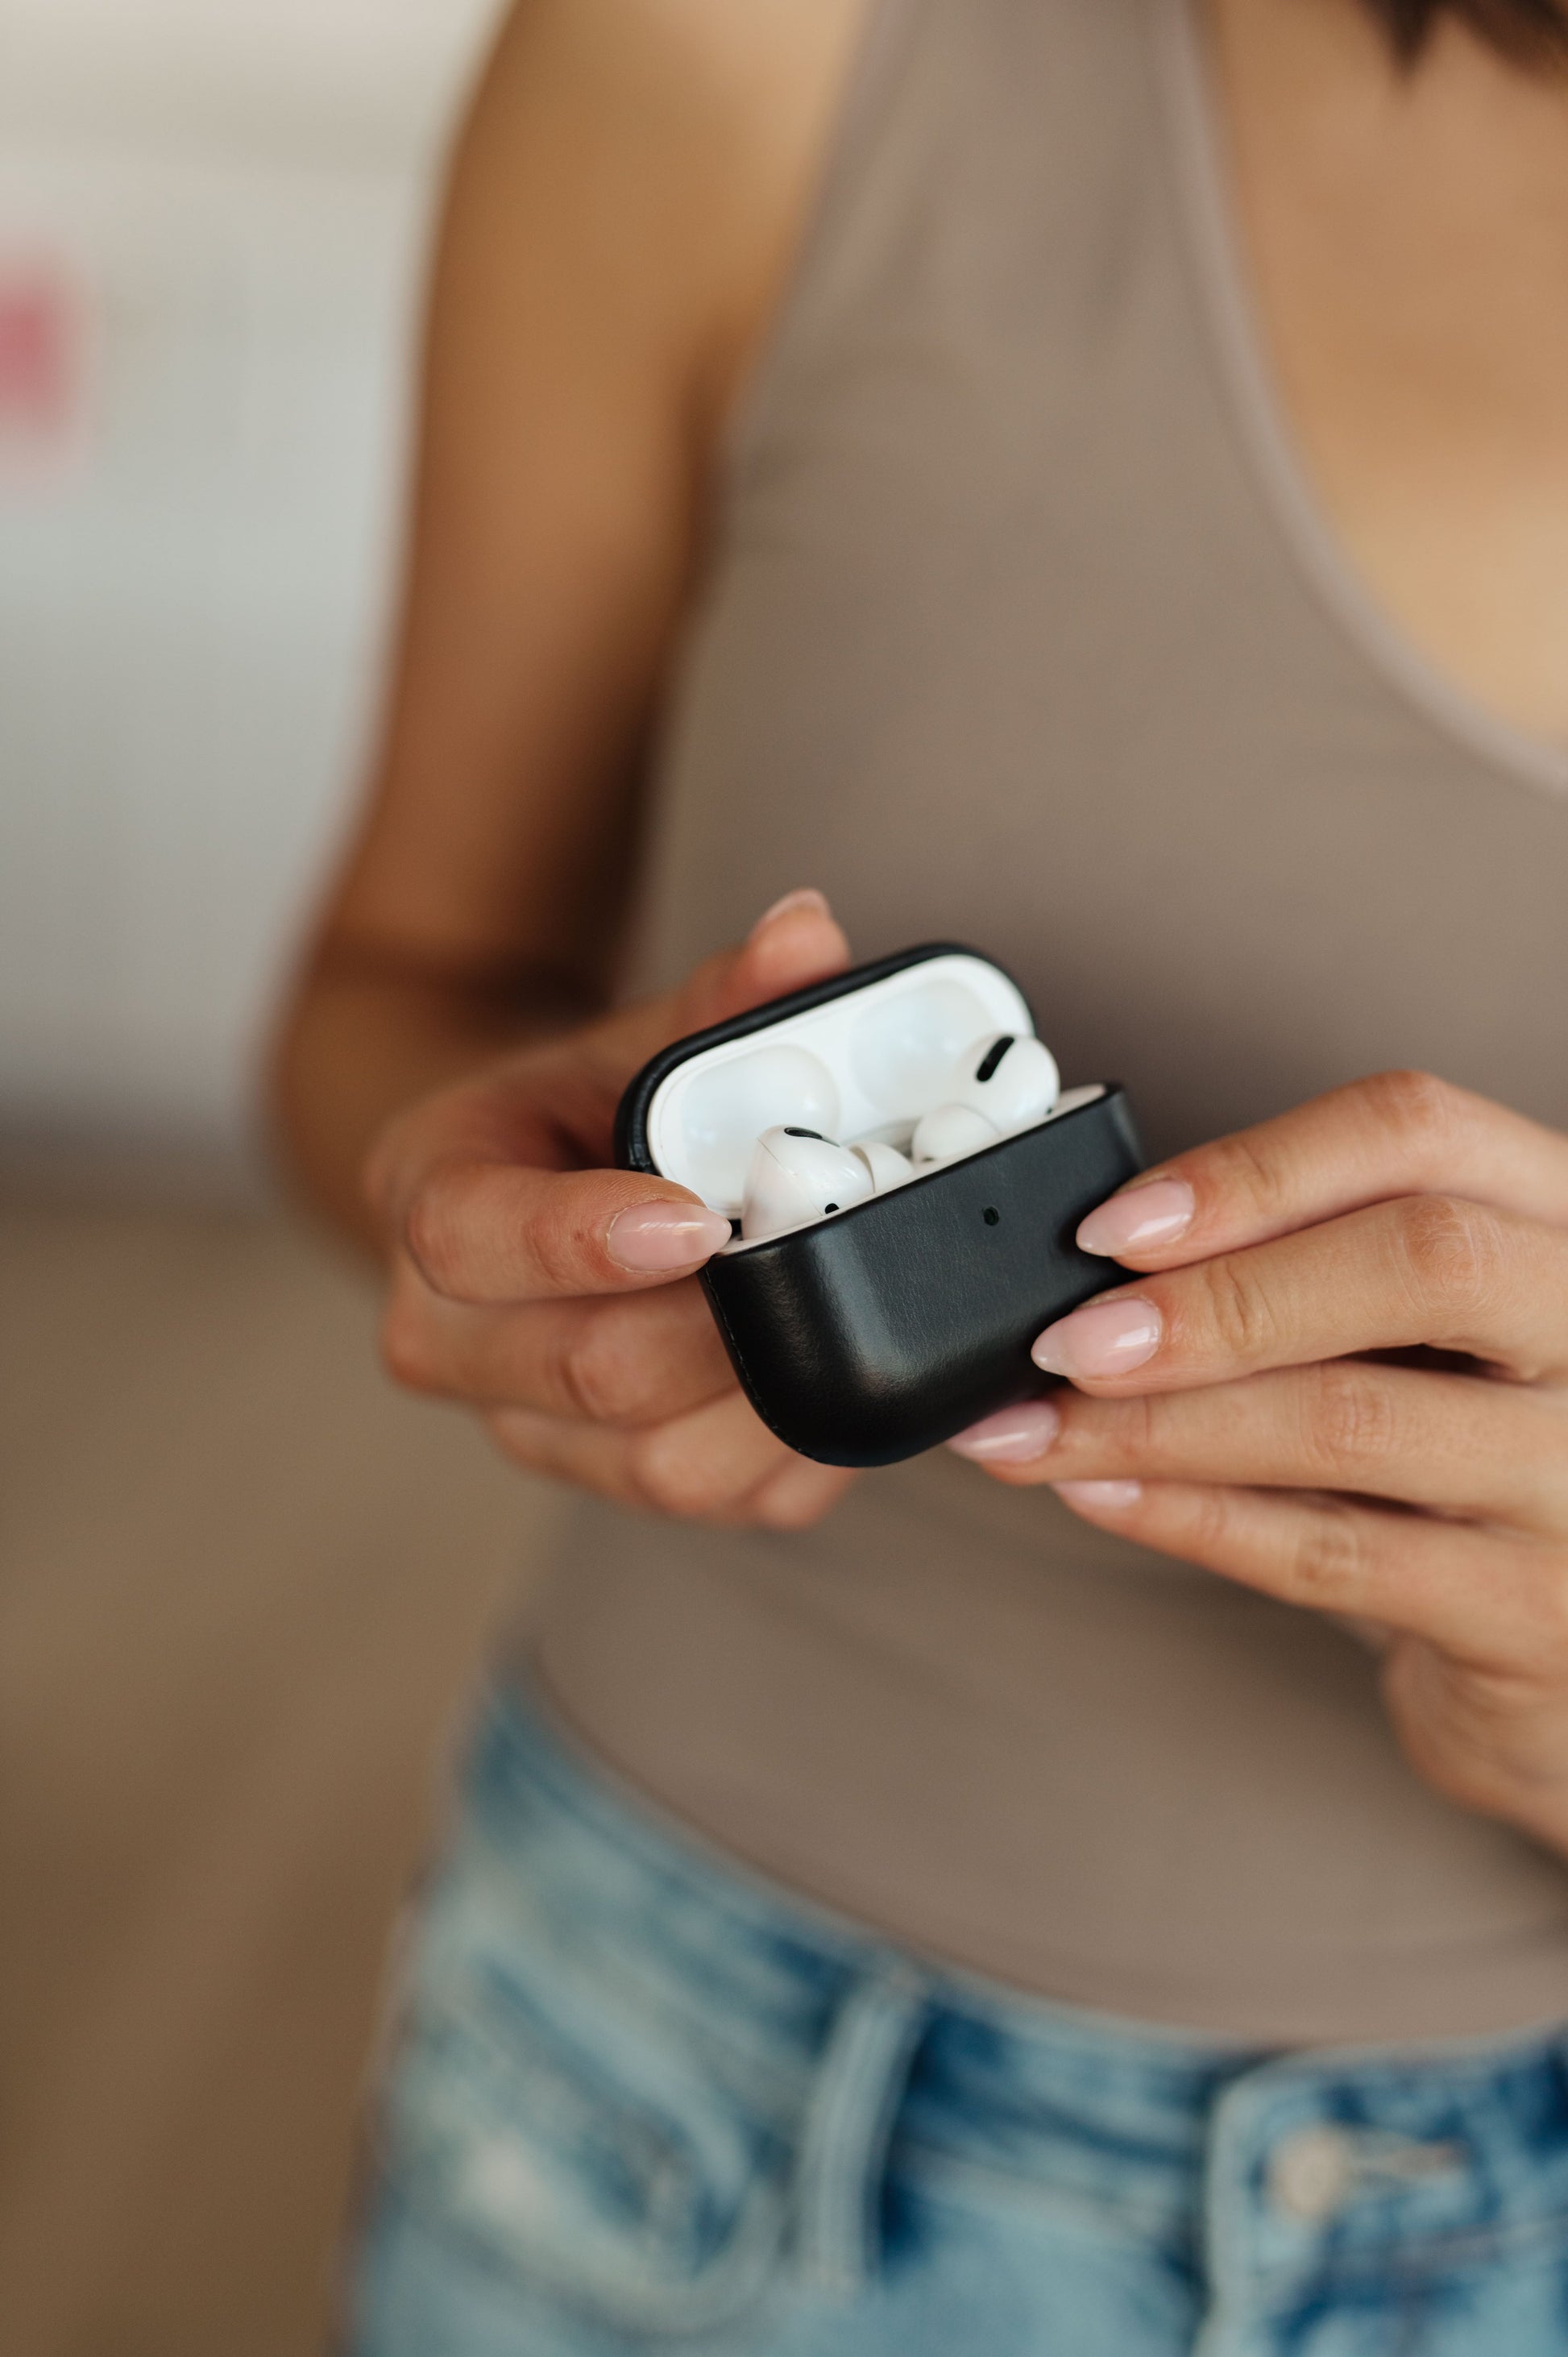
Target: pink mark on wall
x,y
43,369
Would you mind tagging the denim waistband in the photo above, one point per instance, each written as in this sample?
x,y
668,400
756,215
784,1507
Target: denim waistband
x,y
1269,2160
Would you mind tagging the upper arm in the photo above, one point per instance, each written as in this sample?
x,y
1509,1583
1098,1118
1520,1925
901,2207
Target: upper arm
x,y
621,207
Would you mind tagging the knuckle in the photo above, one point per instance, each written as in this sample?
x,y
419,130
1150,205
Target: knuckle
x,y
407,1349
1240,1166
430,1236
599,1376
1453,1251
1328,1559
793,1503
674,1478
1243,1323
1350,1423
1416,1107
1143,1430
1212,1521
513,1437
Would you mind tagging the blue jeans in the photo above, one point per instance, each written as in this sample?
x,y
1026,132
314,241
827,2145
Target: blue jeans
x,y
646,2103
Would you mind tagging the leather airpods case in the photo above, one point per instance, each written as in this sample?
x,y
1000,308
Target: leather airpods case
x,y
874,1332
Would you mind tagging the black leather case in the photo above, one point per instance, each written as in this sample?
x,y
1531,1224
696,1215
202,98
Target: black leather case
x,y
884,1330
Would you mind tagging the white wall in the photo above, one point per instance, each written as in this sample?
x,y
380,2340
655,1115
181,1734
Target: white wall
x,y
210,225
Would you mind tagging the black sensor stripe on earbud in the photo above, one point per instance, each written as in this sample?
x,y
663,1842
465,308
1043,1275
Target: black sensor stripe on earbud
x,y
994,1056
806,1133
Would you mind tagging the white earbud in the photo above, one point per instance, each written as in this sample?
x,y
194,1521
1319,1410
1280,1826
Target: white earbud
x,y
1001,1083
797,1175
887,1167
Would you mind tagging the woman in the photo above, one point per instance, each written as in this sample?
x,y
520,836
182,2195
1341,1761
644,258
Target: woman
x,y
1089,478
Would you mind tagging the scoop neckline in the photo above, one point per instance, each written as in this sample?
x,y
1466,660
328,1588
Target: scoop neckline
x,y
1197,142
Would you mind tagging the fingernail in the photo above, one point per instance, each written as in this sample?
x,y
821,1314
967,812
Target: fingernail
x,y
807,898
652,1238
1144,1217
1013,1435
1108,1496
1108,1338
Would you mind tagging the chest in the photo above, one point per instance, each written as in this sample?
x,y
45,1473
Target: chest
x,y
1405,237
1007,639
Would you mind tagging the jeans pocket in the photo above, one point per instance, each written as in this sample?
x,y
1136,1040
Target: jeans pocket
x,y
584,2148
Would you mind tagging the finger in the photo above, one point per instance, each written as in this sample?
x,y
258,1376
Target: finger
x,y
1492,1452
1429,1270
553,1107
1398,1134
1498,1601
493,1232
1494,1740
624,1359
799,1496
703,1466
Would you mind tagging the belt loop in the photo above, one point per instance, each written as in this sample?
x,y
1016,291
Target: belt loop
x,y
847,2125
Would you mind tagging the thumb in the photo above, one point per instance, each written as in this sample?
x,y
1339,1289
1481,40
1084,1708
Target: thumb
x,y
797,941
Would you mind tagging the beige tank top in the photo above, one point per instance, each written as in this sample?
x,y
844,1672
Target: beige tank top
x,y
1021,627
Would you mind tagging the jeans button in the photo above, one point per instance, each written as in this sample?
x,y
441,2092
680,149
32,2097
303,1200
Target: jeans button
x,y
1311,2172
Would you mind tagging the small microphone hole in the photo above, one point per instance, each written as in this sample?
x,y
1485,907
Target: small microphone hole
x,y
991,1215
830,1207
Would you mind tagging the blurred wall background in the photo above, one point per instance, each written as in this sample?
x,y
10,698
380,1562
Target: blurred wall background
x,y
211,218
242,1587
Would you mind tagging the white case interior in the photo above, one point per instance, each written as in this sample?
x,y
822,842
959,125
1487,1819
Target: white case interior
x,y
862,1067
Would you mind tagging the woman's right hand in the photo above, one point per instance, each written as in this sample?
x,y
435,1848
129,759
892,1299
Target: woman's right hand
x,y
559,1298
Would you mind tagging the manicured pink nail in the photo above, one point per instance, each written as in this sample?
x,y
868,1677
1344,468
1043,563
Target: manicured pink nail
x,y
1013,1435
1140,1220
1109,1497
1108,1338
652,1238
808,897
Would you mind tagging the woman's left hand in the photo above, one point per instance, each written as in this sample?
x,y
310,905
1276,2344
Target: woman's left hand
x,y
1226,1408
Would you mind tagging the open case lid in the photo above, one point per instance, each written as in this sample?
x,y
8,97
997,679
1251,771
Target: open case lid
x,y
861,1055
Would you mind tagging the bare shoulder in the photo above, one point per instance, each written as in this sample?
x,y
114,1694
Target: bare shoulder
x,y
671,146
692,53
